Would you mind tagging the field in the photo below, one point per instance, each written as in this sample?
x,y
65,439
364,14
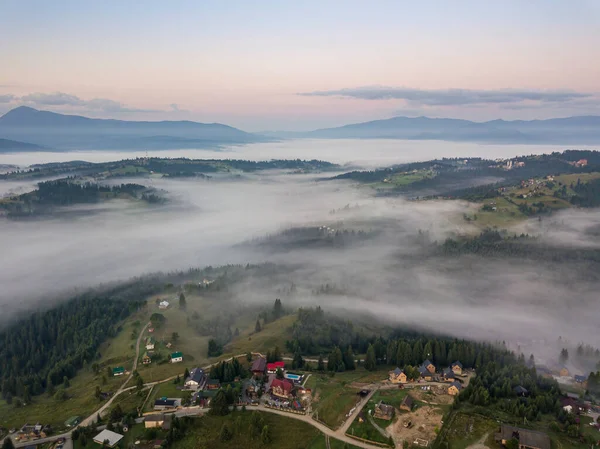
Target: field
x,y
165,389
286,433
465,430
397,180
334,397
321,443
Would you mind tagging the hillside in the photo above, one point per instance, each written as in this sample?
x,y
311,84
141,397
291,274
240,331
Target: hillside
x,y
66,132
10,146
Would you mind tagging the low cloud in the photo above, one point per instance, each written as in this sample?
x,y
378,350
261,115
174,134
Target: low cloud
x,y
6,98
41,99
455,97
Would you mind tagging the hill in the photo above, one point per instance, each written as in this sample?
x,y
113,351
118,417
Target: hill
x,y
570,130
77,132
10,146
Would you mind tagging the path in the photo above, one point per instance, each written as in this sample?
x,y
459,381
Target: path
x,y
92,418
479,444
381,431
344,428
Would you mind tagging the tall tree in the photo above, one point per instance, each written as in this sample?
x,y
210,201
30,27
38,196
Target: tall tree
x,y
182,301
370,360
321,363
218,405
257,327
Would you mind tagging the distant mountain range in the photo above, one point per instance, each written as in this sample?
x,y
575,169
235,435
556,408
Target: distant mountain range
x,y
7,145
73,132
44,129
571,130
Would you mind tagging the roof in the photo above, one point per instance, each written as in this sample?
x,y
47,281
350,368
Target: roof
x,y
408,401
580,378
456,384
213,382
397,371
155,418
196,375
73,420
520,390
427,363
526,437
284,384
457,363
112,437
423,369
275,365
259,364
119,369
449,373
165,402
385,408
176,355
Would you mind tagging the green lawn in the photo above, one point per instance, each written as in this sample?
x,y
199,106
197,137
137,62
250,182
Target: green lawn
x,y
165,389
320,443
466,429
333,397
286,433
366,430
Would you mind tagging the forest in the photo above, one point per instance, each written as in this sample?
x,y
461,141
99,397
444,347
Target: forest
x,y
37,353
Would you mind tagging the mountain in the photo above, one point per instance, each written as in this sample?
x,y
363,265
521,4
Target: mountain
x,y
12,146
69,132
570,130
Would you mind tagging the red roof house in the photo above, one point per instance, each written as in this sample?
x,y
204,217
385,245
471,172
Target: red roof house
x,y
282,388
273,367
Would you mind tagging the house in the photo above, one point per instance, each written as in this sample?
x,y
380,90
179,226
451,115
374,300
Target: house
x,y
176,357
457,368
581,380
259,366
520,391
528,439
164,403
213,384
163,305
118,371
159,420
407,403
448,375
112,438
543,371
273,367
564,372
454,388
72,421
425,373
573,405
282,388
430,366
149,344
146,359
196,380
383,411
397,376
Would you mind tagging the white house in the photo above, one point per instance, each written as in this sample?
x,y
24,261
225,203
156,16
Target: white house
x,y
149,344
111,437
163,305
176,357
196,380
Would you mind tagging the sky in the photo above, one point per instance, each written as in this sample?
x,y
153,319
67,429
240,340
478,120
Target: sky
x,y
282,65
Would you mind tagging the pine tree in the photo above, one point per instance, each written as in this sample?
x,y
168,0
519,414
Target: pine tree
x,y
257,328
370,361
265,435
321,363
182,301
8,443
218,405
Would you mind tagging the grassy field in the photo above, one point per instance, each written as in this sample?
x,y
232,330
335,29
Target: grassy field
x,y
333,397
286,433
320,443
272,334
165,389
466,429
366,430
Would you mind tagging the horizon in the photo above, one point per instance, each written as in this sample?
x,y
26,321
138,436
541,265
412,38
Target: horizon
x,y
282,130
300,67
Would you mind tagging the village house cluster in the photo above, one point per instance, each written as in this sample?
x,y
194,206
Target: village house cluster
x,y
428,373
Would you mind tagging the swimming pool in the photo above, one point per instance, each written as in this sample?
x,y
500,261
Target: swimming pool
x,y
293,376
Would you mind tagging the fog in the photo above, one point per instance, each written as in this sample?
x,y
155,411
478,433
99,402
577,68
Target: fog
x,y
359,152
216,221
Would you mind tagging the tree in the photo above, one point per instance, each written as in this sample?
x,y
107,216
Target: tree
x,y
564,356
321,363
109,371
98,393
265,435
370,360
349,359
66,383
182,302
298,361
277,309
257,328
60,394
279,373
186,373
175,337
214,348
139,383
226,433
8,443
248,357
219,406
83,440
